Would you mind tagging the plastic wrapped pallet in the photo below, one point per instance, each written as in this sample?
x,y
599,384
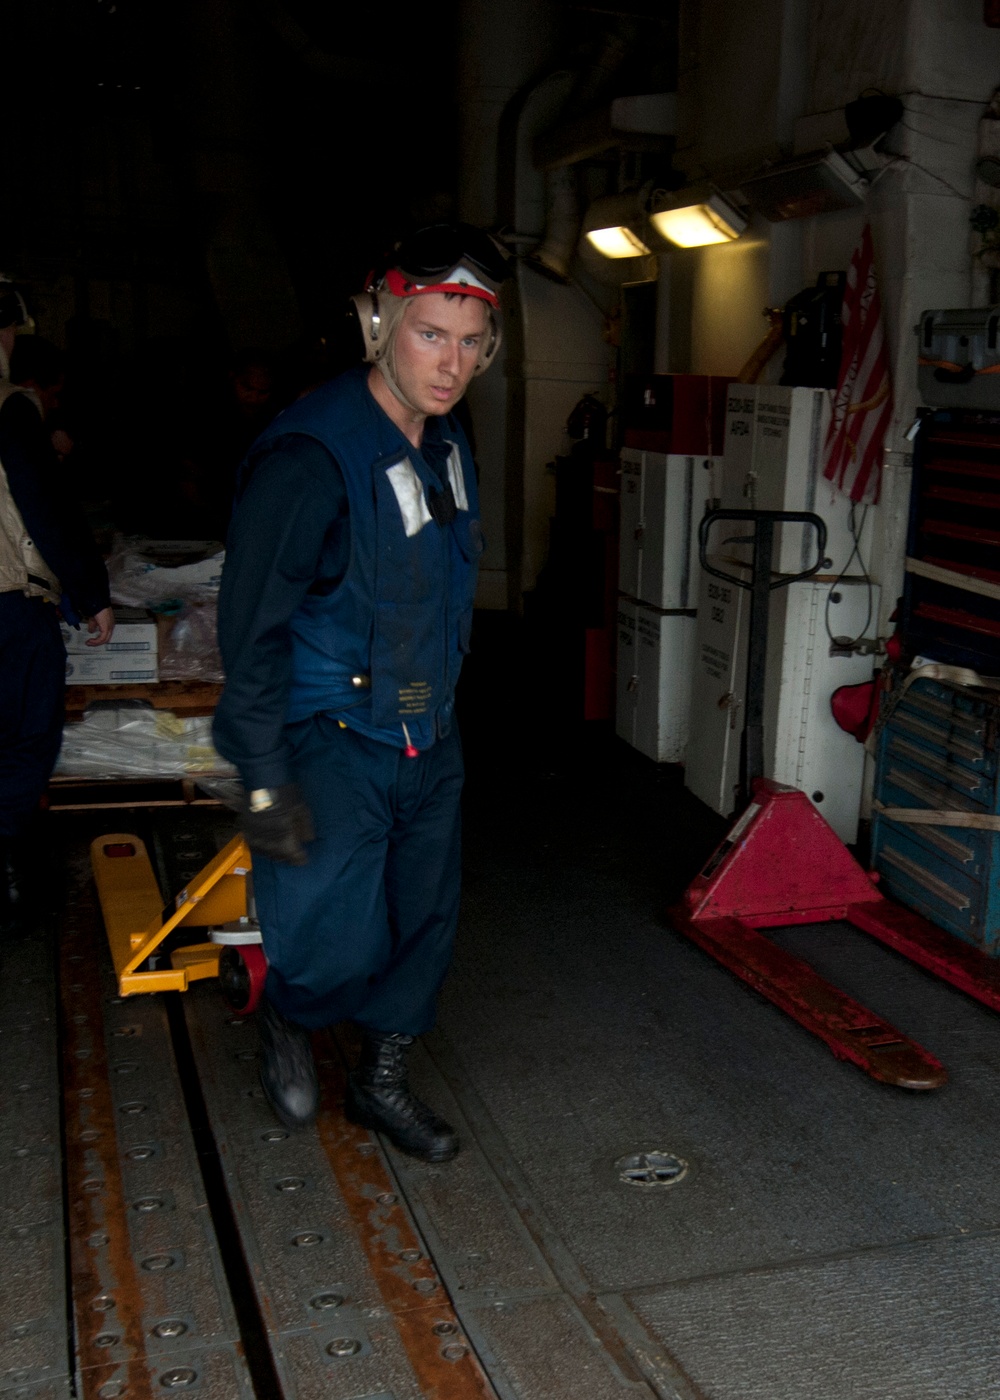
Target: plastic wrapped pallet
x,y
140,742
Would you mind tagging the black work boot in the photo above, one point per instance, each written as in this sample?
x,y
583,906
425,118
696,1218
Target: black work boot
x,y
378,1096
287,1068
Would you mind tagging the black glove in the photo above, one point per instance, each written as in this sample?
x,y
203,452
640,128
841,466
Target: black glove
x,y
279,830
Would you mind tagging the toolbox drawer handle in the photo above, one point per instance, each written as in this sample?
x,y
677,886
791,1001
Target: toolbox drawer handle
x,y
930,882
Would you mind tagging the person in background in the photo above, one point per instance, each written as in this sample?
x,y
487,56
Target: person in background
x,y
37,364
48,559
344,616
220,437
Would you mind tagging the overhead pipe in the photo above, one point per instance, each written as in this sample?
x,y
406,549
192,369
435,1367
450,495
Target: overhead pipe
x,y
562,225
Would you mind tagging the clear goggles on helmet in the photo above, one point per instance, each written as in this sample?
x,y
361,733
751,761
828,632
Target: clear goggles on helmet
x,y
449,257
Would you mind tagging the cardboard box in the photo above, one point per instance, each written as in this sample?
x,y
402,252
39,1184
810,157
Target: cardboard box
x,y
135,634
99,667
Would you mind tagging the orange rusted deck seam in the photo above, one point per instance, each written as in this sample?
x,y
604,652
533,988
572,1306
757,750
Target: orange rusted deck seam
x,y
410,1287
92,1157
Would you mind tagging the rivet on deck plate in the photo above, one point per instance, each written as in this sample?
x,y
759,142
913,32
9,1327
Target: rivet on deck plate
x,y
444,1329
366,1149
425,1285
344,1346
172,1328
139,1154
21,1330
326,1300
387,1198
106,1339
110,1390
307,1237
21,1151
178,1376
289,1183
132,1110
145,1204
97,1241
89,1135
274,1135
103,1303
410,1255
86,1093
156,1263
236,1020
454,1351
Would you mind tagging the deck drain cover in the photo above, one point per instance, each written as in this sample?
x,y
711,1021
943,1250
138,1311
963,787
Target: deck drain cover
x,y
651,1169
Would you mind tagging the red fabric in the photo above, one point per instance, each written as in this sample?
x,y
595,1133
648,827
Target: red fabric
x,y
855,707
862,401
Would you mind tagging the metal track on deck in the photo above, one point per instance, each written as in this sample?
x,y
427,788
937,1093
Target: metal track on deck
x,y
205,1249
152,1311
35,1354
352,1305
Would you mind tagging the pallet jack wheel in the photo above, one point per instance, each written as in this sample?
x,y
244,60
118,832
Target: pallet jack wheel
x,y
242,970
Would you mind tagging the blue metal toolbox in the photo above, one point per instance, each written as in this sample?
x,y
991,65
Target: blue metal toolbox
x,y
938,751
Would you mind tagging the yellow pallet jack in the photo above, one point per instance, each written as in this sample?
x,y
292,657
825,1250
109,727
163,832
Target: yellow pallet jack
x,y
218,901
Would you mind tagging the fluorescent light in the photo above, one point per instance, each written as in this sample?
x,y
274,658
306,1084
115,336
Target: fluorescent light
x,y
617,241
695,217
696,225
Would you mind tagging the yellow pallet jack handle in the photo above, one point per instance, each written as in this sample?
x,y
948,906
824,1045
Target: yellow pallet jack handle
x,y
137,923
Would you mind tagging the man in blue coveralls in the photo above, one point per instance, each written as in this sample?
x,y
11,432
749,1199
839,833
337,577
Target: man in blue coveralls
x,y
48,558
344,616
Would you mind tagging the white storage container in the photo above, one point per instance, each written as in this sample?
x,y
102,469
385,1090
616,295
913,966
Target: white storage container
x,y
663,499
718,688
804,747
774,461
655,655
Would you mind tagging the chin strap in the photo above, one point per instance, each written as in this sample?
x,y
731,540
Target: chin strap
x,y
382,365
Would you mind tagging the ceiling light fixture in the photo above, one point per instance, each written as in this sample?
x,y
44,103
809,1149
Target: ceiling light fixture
x,y
612,222
617,241
695,218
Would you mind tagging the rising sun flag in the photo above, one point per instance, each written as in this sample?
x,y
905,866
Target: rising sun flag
x,y
862,401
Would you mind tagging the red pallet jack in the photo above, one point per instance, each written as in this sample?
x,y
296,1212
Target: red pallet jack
x,y
781,864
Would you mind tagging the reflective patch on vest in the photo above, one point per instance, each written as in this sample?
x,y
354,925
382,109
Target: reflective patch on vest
x,y
410,495
457,477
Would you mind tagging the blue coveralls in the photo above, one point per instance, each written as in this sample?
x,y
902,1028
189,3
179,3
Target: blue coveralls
x,y
32,655
344,616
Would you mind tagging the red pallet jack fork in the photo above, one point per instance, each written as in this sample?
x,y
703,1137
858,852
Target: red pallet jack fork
x,y
781,864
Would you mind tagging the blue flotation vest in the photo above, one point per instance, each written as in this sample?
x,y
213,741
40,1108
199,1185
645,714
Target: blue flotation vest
x,y
383,651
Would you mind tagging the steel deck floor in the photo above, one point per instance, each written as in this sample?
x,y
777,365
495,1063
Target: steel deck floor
x,y
832,1237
